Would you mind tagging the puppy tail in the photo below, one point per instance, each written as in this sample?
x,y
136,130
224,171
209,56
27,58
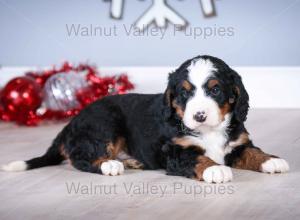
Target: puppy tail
x,y
53,156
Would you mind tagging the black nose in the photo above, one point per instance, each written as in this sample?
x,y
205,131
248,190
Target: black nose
x,y
200,117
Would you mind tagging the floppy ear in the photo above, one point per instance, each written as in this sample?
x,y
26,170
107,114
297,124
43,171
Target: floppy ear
x,y
169,96
241,105
167,102
170,93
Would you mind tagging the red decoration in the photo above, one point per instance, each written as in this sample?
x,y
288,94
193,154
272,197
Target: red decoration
x,y
21,99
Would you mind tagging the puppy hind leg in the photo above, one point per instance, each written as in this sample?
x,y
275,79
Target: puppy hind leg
x,y
85,159
96,156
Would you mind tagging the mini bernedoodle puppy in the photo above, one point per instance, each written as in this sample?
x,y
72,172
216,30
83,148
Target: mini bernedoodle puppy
x,y
195,129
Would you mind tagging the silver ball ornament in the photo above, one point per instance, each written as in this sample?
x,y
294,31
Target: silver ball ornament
x,y
60,91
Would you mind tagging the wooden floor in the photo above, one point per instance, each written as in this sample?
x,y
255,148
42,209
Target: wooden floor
x,y
62,192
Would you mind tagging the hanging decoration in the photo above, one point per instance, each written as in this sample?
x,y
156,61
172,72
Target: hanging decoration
x,y
116,8
208,8
56,93
160,13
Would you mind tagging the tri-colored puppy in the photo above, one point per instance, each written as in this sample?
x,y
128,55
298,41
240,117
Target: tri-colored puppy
x,y
195,129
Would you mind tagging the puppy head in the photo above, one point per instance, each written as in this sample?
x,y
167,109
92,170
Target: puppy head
x,y
204,92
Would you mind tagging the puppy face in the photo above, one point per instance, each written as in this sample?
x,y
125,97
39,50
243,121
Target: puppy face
x,y
208,97
204,92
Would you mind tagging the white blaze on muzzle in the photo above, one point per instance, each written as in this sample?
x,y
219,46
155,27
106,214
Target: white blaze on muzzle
x,y
200,102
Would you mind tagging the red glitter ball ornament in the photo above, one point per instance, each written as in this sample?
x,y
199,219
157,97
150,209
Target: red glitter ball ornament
x,y
21,95
21,99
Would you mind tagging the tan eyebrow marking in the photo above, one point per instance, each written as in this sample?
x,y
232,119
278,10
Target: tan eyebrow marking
x,y
187,85
212,83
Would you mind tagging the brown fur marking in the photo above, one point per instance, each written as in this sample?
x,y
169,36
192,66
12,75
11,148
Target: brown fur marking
x,y
178,109
99,161
187,85
203,163
113,150
252,159
183,141
242,139
63,152
187,143
133,164
212,83
224,110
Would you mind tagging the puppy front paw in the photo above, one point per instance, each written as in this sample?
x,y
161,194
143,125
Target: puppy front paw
x,y
275,165
112,168
217,174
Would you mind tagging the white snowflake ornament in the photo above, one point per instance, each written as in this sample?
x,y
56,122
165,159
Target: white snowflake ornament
x,y
208,8
116,9
159,13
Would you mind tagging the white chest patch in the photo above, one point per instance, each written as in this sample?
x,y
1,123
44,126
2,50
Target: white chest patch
x,y
213,143
212,140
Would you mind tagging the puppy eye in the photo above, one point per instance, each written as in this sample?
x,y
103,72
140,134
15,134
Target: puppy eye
x,y
215,90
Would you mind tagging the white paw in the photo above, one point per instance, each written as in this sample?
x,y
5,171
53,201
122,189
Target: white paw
x,y
217,174
275,165
112,167
14,166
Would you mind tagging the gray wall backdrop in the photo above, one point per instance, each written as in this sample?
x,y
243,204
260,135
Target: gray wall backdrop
x,y
34,32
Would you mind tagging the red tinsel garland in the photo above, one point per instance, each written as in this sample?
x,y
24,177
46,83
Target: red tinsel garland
x,y
21,100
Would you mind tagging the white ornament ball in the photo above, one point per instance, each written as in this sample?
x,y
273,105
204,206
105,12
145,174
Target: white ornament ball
x,y
60,91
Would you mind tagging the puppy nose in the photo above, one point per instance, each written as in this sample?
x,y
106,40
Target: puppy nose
x,y
200,116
